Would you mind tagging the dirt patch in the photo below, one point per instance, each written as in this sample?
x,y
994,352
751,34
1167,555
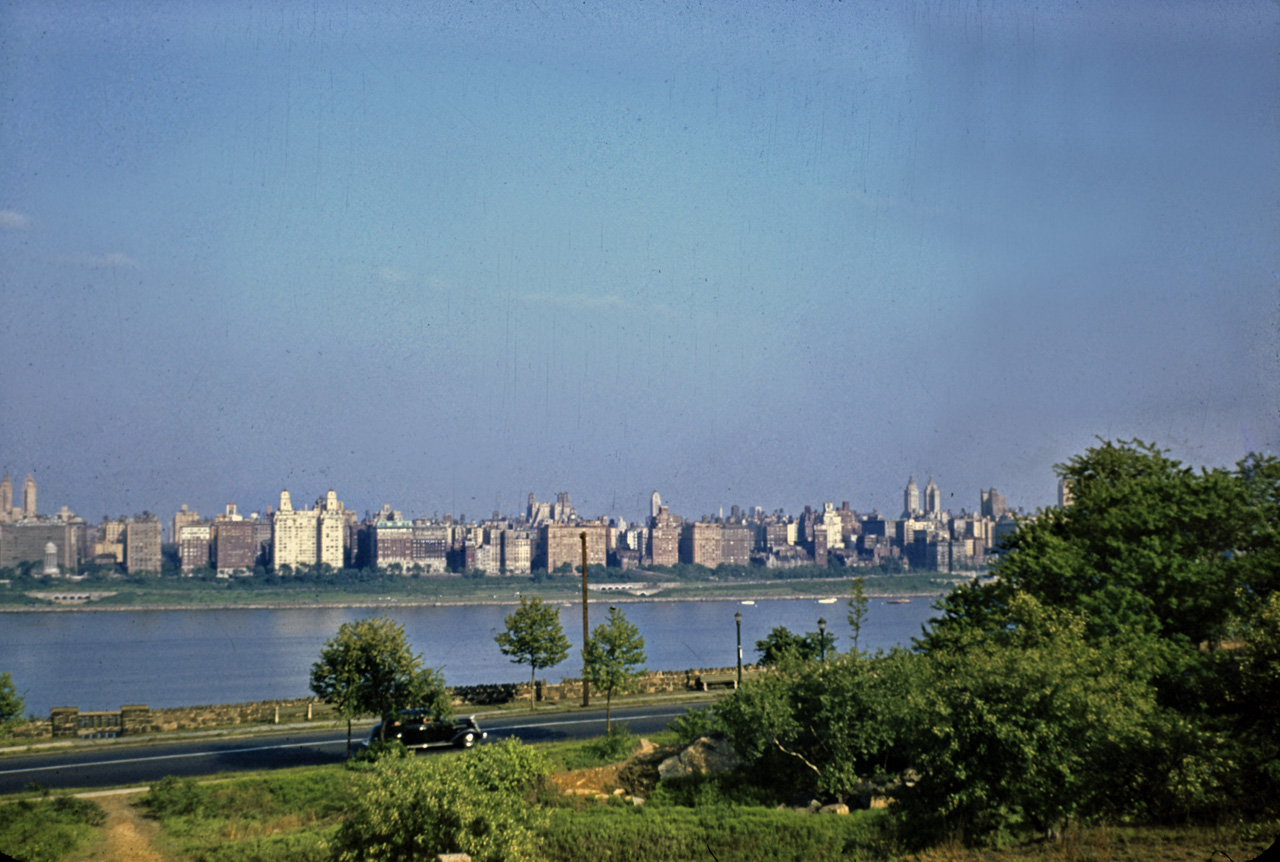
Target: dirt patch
x,y
128,836
637,775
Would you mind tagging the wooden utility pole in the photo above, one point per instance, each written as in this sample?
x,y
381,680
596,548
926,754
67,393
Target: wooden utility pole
x,y
586,688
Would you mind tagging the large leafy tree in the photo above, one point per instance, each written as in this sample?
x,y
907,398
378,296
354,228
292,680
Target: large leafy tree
x,y
368,667
535,637
1030,728
11,703
1147,545
612,658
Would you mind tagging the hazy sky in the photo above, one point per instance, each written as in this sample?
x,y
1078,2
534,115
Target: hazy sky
x,y
764,254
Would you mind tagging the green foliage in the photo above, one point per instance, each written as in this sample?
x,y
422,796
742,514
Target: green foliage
x,y
535,637
368,667
48,830
694,724
391,749
858,605
617,744
782,645
176,797
1029,730
12,704
476,804
612,658
822,727
695,835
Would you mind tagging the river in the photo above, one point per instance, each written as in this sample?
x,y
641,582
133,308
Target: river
x,y
103,660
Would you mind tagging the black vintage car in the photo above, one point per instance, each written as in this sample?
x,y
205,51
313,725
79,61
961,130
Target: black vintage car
x,y
419,729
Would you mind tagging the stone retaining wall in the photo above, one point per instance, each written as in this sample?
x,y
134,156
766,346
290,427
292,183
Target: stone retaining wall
x,y
69,721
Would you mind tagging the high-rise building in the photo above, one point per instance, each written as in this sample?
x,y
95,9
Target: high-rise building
x,y
193,541
992,504
516,552
700,544
29,497
562,543
309,537
142,545
1065,497
932,500
664,537
235,544
910,498
181,518
655,505
24,541
6,498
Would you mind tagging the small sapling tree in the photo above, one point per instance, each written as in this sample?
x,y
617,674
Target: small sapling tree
x,y
535,637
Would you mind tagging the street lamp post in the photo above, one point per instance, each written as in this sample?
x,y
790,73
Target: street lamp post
x,y
737,618
822,637
586,634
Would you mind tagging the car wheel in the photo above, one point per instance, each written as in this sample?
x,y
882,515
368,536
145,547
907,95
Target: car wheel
x,y
468,740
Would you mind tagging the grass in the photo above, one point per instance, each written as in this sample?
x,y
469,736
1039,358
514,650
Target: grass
x,y
293,815
48,829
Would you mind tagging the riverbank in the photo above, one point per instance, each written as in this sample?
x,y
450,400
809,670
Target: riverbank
x,y
187,595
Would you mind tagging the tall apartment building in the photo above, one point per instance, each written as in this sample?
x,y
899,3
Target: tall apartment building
x,y
700,544
932,500
664,537
431,546
391,544
193,540
992,504
142,545
6,500
181,518
737,541
517,556
236,543
562,543
308,537
911,498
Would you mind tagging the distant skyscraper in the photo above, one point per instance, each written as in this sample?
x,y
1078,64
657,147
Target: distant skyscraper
x,y
29,497
932,499
655,504
992,504
910,498
6,498
1065,497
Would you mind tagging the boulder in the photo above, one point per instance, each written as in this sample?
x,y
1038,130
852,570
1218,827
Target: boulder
x,y
706,756
834,808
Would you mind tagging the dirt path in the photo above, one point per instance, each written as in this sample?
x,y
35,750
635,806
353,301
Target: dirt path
x,y
127,835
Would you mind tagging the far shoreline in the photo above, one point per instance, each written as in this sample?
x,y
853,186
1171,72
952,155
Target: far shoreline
x,y
609,596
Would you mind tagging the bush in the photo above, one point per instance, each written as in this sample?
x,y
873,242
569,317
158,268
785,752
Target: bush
x,y
695,724
617,744
392,749
476,803
47,830
176,797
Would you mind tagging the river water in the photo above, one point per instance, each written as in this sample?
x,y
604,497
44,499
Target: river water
x,y
101,660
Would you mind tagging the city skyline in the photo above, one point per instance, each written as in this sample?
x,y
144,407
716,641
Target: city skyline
x,y
440,258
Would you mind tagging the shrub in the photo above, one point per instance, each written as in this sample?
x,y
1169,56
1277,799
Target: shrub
x,y
176,797
476,803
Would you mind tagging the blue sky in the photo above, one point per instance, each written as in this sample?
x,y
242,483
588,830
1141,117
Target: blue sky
x,y
770,255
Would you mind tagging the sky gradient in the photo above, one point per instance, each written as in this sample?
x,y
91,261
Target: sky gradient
x,y
773,255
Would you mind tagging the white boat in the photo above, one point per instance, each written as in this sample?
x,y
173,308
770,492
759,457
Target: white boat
x,y
748,602
826,601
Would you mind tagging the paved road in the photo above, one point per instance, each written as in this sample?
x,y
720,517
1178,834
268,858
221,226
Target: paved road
x,y
124,763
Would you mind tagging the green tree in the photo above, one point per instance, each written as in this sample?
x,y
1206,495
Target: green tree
x,y
611,658
857,605
368,667
1031,729
535,637
481,804
12,704
782,645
